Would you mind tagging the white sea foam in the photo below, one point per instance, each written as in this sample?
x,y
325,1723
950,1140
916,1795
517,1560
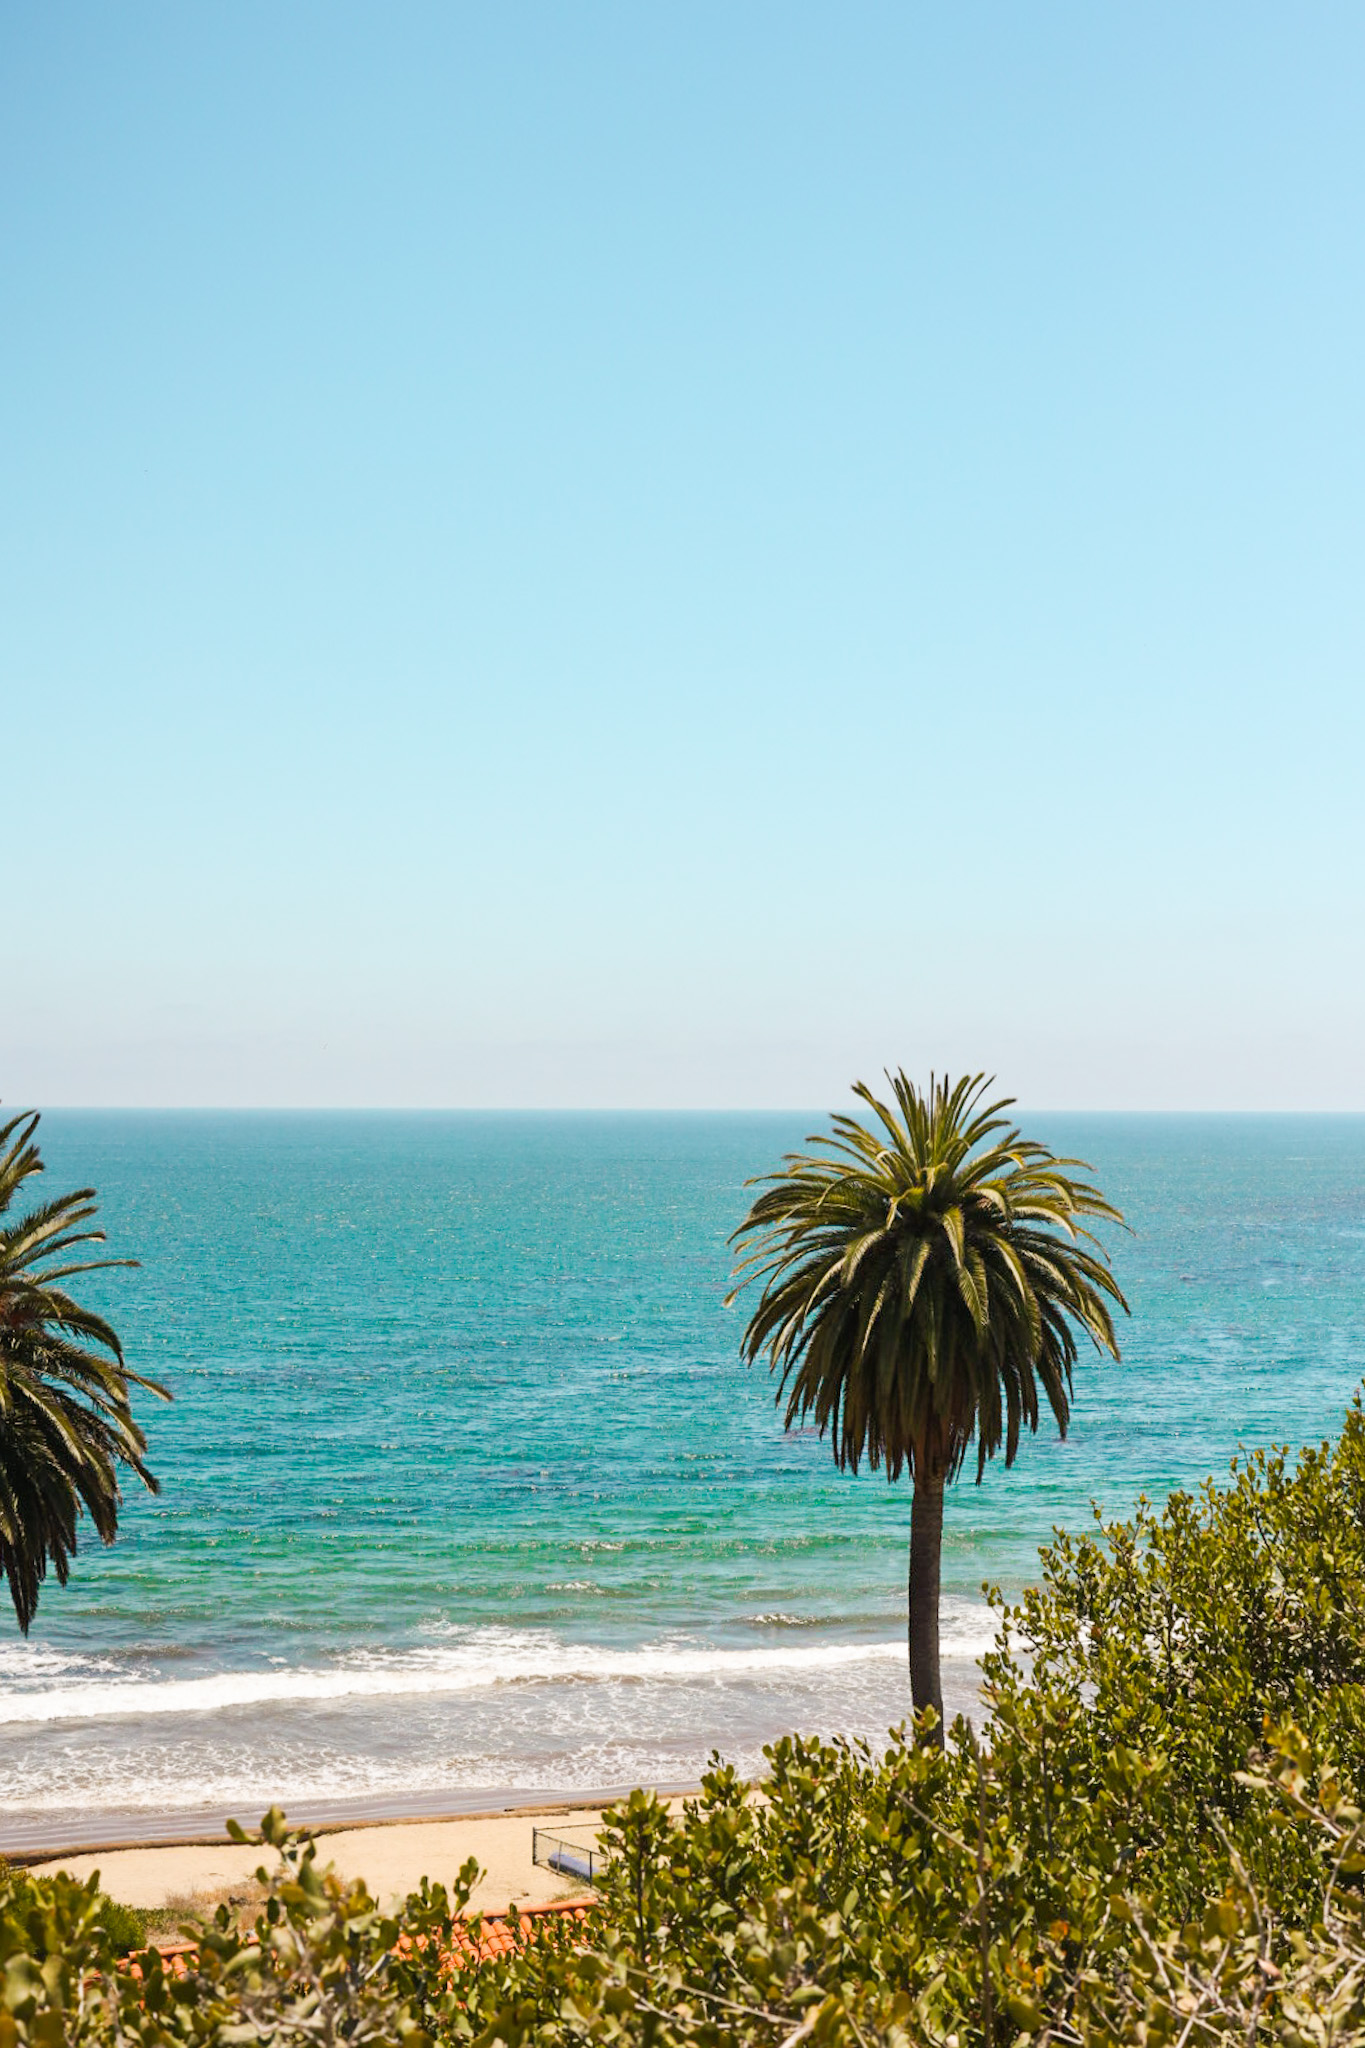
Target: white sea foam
x,y
30,1663
482,1659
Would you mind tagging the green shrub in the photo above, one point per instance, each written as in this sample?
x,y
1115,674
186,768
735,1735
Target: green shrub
x,y
321,1965
1157,1820
41,1916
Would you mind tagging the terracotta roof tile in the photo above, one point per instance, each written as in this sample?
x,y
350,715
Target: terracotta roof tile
x,y
499,1934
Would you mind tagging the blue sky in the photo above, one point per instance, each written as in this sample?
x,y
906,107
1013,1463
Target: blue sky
x,y
677,556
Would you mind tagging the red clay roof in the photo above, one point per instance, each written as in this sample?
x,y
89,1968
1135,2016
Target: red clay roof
x,y
499,1934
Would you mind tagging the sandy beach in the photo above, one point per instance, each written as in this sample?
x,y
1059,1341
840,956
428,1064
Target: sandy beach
x,y
392,1857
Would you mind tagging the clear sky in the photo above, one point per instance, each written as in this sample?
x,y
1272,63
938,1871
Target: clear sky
x,y
680,554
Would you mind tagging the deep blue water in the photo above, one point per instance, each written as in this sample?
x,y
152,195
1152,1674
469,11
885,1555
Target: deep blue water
x,y
464,1485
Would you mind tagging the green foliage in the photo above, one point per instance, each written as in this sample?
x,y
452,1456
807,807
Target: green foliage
x,y
42,1917
66,1423
322,1964
1156,1838
920,1277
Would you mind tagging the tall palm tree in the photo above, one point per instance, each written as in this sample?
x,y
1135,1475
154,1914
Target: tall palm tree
x,y
66,1423
923,1275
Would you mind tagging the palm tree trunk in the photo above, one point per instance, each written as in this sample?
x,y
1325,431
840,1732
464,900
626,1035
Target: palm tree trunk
x,y
926,1550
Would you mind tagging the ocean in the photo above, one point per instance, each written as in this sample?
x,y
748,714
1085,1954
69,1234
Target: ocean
x,y
467,1498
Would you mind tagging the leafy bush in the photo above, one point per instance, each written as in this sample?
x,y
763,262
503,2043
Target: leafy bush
x,y
1156,1837
321,1964
38,1917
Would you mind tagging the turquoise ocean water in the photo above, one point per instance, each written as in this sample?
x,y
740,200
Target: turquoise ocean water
x,y
466,1492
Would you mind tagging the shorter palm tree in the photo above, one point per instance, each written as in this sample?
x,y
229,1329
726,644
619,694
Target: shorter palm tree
x,y
921,1278
66,1422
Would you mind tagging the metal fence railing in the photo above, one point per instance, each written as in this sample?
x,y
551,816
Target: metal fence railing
x,y
567,1859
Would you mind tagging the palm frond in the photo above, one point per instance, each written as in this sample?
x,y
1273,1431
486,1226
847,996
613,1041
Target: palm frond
x,y
67,1429
922,1277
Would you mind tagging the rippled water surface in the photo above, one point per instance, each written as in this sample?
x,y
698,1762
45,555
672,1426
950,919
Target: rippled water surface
x,y
464,1486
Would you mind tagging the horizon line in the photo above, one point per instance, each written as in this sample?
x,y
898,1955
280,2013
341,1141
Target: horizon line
x,y
625,1109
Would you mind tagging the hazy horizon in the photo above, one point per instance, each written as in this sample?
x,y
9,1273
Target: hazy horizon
x,y
1022,1112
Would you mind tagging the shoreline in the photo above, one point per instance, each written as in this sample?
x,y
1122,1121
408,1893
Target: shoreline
x,y
35,1837
28,1845
186,1880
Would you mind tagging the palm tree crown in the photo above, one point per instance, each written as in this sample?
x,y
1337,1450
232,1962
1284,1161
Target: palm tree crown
x,y
66,1423
923,1276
